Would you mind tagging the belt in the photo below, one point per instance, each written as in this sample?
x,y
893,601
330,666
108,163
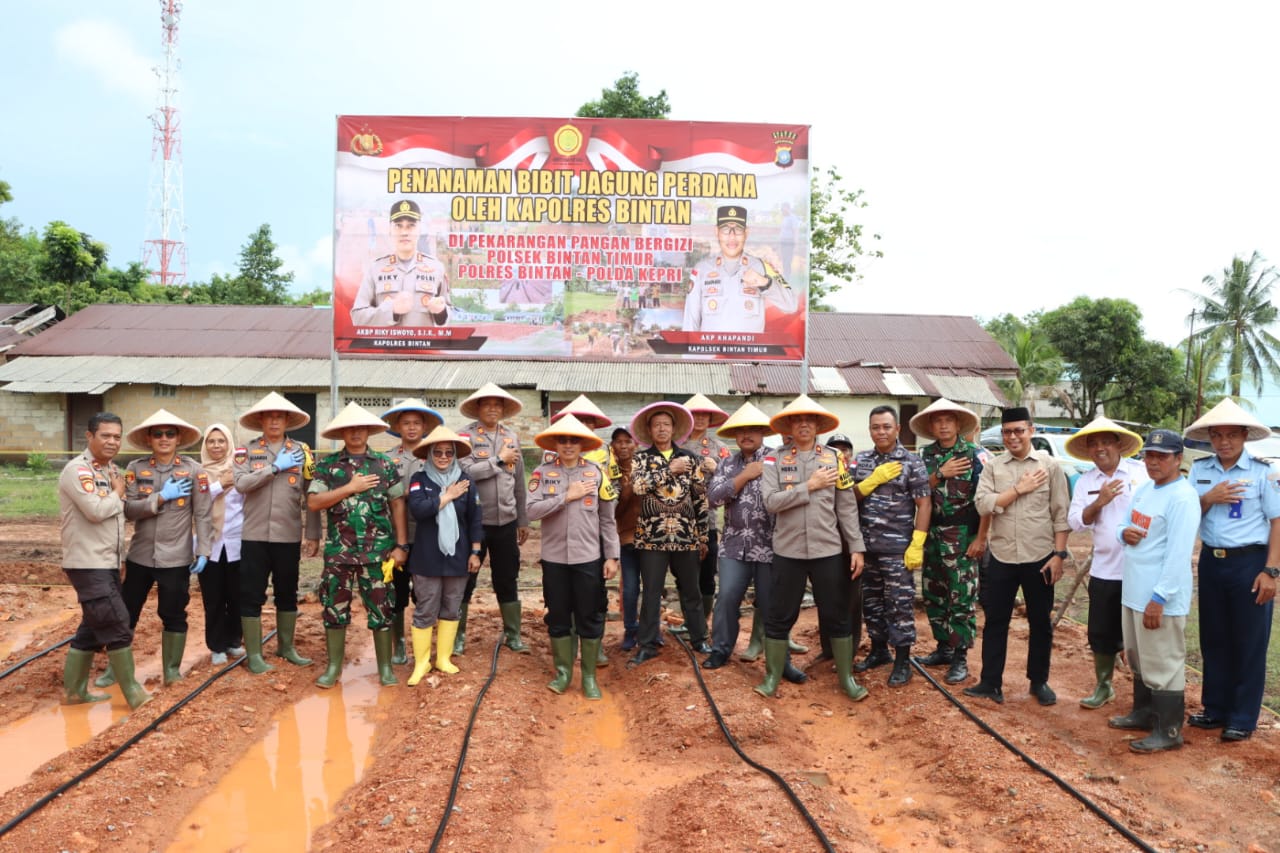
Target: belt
x,y
1226,553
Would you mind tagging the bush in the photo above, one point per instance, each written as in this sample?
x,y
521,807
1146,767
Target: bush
x,y
38,462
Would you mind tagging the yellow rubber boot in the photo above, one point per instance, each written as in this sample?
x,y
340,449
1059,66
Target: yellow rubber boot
x,y
421,654
444,645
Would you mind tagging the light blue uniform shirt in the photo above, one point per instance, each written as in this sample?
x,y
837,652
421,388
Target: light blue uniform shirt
x,y
1249,522
1159,567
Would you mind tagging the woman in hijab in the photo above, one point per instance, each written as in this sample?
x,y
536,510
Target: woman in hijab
x,y
220,580
446,546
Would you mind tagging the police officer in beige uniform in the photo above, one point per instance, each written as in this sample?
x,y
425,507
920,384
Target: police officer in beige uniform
x,y
731,287
272,473
405,288
91,520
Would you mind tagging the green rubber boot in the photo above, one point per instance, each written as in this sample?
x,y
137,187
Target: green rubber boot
x,y
590,652
122,665
251,627
399,654
775,661
107,678
1143,715
382,651
172,645
75,679
286,624
756,643
562,659
460,640
335,643
842,649
511,627
1104,666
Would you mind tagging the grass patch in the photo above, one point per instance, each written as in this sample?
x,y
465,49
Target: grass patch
x,y
25,493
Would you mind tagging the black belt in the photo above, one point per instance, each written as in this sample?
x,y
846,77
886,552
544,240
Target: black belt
x,y
968,517
1227,553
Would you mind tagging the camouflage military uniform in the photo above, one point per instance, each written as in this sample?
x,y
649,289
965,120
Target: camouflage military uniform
x,y
950,583
360,537
888,517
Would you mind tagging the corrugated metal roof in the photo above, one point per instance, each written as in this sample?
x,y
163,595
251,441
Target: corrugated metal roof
x,y
827,380
905,340
903,384
67,386
969,389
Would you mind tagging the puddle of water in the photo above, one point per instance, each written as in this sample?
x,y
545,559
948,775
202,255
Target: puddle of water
x,y
287,784
28,629
31,741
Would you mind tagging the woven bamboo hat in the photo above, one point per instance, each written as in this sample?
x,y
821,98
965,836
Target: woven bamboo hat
x,y
440,434
1077,445
699,403
922,421
679,415
470,407
567,426
1227,413
585,411
354,415
139,436
274,402
412,404
802,405
747,415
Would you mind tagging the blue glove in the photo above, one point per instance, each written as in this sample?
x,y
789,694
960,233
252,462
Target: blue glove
x,y
198,566
285,461
176,489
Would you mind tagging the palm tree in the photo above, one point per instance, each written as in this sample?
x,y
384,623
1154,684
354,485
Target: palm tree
x,y
1237,313
1038,364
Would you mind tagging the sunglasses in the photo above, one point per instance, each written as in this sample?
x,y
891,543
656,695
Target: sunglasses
x,y
442,452
568,439
164,433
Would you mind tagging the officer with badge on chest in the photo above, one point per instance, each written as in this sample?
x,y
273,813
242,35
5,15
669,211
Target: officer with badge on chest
x,y
407,287
731,287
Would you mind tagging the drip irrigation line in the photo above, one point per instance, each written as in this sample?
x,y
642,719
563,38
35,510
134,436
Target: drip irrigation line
x,y
20,664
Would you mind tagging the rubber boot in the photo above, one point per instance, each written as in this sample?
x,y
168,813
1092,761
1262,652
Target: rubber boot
x,y
460,642
252,629
382,651
75,679
107,678
1170,710
399,654
775,661
421,654
122,666
1104,666
562,659
172,645
797,648
842,650
878,656
756,643
901,667
511,627
286,624
1143,714
446,634
335,644
590,659
959,670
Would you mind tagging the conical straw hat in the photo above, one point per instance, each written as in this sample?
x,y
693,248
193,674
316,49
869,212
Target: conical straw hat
x,y
747,415
470,407
273,402
412,404
570,426
922,421
699,403
139,436
1227,413
586,411
440,434
1077,445
679,415
354,415
802,405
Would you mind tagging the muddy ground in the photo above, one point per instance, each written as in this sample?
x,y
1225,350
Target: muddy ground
x,y
646,769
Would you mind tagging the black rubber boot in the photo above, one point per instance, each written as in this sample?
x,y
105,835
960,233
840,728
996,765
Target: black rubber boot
x,y
460,639
775,661
1170,707
562,659
878,656
399,653
959,670
901,667
1143,715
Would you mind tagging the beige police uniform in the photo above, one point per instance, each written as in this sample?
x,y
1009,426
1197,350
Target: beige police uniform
x,y
421,275
574,532
162,532
805,528
720,301
273,504
91,515
501,486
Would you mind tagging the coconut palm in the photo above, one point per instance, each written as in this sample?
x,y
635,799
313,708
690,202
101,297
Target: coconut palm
x,y
1039,365
1236,315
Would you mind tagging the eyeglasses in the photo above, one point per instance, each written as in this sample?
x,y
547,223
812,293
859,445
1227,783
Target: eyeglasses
x,y
442,452
736,230
164,433
1015,431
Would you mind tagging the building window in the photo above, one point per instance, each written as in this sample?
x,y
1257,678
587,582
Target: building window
x,y
441,403
371,402
164,390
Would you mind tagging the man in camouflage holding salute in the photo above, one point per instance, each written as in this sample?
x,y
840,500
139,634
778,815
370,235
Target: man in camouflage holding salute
x,y
364,496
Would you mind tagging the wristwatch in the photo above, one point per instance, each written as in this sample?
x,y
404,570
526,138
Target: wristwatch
x,y
476,551
1062,554
1272,572
405,547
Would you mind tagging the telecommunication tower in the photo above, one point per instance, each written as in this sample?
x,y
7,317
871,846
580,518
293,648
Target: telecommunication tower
x,y
164,252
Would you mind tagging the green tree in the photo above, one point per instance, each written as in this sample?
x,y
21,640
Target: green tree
x,y
259,281
6,192
319,296
1237,313
71,258
625,101
1098,339
1039,364
1151,388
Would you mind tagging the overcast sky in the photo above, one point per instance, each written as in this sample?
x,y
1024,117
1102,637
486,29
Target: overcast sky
x,y
1014,155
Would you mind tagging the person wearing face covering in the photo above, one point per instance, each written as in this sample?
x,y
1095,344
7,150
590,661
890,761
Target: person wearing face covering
x,y
220,580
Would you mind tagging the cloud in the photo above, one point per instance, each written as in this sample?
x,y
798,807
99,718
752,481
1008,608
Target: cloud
x,y
107,51
310,265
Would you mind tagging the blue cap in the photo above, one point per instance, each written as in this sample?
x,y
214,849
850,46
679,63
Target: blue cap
x,y
1163,441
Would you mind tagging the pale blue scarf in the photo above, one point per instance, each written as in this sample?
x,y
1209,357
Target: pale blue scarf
x,y
447,517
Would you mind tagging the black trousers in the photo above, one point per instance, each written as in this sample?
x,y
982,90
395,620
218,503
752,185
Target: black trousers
x,y
504,563
263,561
104,620
572,594
831,585
220,593
653,571
999,589
1105,636
401,578
174,592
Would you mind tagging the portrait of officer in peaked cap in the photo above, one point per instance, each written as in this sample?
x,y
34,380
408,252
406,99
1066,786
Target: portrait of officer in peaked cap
x,y
407,287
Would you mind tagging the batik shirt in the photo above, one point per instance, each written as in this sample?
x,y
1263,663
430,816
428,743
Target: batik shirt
x,y
748,526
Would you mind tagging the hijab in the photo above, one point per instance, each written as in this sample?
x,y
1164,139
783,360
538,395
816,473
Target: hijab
x,y
447,517
215,470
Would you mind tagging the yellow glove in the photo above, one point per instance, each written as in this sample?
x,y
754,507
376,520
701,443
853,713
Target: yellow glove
x,y
388,569
914,558
883,474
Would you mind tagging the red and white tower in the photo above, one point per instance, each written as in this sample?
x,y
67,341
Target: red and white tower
x,y
164,253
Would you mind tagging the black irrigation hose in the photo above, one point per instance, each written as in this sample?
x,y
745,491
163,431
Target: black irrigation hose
x,y
462,756
20,664
120,750
1129,834
772,774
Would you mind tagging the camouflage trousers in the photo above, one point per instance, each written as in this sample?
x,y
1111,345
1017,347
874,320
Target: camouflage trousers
x,y
950,585
335,594
888,598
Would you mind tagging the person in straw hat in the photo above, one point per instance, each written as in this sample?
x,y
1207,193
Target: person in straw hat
x,y
409,420
91,494
746,555
812,495
957,534
1100,504
1239,565
575,500
220,580
446,547
496,466
708,447
166,496
272,472
671,530
363,496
